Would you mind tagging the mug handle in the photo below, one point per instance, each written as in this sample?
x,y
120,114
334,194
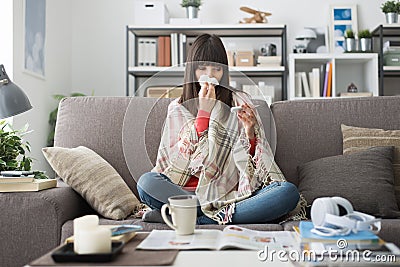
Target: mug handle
x,y
164,216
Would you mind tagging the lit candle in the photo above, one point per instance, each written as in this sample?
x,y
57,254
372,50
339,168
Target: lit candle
x,y
89,238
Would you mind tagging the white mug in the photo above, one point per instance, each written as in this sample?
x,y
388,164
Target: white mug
x,y
183,210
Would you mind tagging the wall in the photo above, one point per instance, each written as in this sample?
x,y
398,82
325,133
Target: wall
x,y
57,68
6,47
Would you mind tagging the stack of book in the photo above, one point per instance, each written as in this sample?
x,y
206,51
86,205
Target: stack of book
x,y
24,183
317,83
163,51
321,250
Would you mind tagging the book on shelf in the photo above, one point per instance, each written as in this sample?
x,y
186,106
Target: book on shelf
x,y
231,237
167,51
182,48
329,85
174,49
298,91
322,79
315,82
147,51
19,179
305,235
326,79
36,185
355,94
306,87
161,51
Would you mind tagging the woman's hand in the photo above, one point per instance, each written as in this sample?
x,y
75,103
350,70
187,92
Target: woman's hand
x,y
207,97
248,119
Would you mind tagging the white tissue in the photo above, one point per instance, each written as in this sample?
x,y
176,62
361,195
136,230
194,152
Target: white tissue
x,y
204,78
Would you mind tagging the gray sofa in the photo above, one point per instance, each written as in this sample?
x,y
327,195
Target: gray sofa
x,y
33,223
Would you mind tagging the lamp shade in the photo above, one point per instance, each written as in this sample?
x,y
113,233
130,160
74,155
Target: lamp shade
x,y
306,34
13,100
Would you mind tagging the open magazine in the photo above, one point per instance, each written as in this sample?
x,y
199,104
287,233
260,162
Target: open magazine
x,y
231,237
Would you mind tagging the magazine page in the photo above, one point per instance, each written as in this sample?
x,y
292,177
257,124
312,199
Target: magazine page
x,y
239,237
168,239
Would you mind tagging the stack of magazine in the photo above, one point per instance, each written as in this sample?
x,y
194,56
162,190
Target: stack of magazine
x,y
22,181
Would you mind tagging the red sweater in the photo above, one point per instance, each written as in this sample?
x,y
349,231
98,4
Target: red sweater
x,y
201,124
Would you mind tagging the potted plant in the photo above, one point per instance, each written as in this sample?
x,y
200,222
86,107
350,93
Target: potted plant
x,y
365,38
13,150
192,8
391,9
53,117
350,41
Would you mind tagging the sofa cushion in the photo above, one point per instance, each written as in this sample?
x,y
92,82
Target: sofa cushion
x,y
357,139
365,178
94,179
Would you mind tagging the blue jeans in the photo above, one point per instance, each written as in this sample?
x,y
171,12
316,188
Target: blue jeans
x,y
265,205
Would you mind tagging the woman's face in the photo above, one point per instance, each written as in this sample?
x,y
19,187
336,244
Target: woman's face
x,y
210,70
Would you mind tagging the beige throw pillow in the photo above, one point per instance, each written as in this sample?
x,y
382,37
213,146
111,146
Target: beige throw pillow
x,y
94,179
357,139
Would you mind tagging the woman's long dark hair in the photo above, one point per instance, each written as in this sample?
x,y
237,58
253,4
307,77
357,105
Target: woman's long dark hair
x,y
206,50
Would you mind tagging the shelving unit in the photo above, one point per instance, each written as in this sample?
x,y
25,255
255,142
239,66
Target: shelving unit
x,y
243,36
358,68
380,35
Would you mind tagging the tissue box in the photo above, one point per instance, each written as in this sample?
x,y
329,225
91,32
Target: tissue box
x,y
150,13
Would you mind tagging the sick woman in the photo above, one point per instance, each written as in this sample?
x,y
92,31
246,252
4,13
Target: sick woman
x,y
221,156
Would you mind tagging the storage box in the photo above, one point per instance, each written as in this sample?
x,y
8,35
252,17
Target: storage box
x,y
244,58
164,91
391,59
150,13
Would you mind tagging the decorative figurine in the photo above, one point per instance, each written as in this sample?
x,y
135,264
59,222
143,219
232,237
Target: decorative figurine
x,y
258,16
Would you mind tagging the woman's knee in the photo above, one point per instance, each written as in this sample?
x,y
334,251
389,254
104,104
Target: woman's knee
x,y
146,181
291,193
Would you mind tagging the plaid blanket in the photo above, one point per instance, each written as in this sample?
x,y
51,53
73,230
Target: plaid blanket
x,y
219,157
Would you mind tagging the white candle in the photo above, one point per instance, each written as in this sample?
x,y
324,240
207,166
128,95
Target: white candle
x,y
89,238
93,241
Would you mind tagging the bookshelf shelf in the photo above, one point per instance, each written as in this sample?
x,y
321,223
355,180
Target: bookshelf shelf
x,y
358,68
381,34
243,36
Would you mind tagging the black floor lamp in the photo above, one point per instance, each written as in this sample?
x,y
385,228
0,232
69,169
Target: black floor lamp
x,y
13,100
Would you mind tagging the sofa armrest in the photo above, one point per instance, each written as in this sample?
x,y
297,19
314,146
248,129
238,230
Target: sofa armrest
x,y
30,223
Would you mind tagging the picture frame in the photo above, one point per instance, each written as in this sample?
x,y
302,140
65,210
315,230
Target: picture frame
x,y
321,43
342,18
34,36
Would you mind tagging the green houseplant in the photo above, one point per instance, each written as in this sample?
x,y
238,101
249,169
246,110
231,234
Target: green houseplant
x,y
192,8
194,3
349,34
53,117
364,34
365,38
13,150
349,40
391,9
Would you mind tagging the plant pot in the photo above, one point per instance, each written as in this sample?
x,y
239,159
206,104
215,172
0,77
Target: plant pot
x,y
391,18
350,44
365,44
191,12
